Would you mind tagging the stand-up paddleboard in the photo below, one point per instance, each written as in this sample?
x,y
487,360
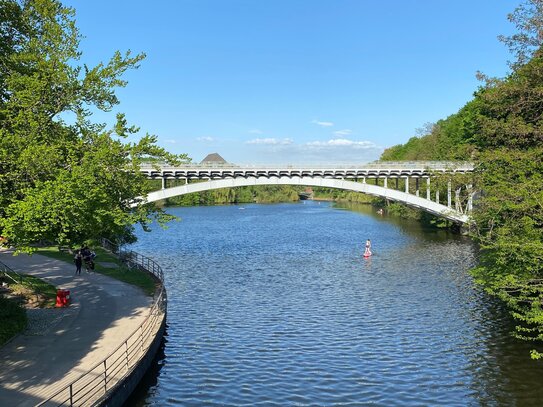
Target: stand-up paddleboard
x,y
367,254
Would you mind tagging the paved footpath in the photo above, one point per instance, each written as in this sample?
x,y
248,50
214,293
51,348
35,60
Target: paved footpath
x,y
103,313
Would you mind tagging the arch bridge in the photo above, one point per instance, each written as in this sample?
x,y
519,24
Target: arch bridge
x,y
405,182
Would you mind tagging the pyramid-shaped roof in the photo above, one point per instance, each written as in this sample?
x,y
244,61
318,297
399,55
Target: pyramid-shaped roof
x,y
213,158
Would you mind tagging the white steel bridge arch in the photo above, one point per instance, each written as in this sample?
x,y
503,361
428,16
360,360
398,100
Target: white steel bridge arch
x,y
411,200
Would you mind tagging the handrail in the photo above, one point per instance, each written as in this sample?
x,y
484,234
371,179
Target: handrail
x,y
94,384
432,165
18,278
8,272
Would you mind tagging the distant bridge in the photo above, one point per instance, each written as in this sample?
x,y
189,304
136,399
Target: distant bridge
x,y
350,178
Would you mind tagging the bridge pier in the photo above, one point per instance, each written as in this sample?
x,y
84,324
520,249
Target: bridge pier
x,y
449,198
428,188
457,203
417,186
470,199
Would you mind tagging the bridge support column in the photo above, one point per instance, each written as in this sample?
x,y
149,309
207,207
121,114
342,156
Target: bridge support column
x,y
457,203
428,188
376,180
470,199
397,183
406,185
385,182
163,183
437,195
417,186
449,197
364,180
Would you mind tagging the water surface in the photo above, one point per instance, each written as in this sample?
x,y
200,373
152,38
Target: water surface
x,y
274,305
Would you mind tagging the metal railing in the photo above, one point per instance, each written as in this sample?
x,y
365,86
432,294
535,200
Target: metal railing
x,y
9,273
93,385
431,165
134,260
25,280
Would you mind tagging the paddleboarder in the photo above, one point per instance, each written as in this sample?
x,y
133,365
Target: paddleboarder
x,y
367,252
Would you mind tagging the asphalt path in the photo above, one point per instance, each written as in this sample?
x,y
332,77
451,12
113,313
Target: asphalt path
x,y
103,313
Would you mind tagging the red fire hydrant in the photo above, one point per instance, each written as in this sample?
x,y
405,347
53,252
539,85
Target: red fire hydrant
x,y
63,298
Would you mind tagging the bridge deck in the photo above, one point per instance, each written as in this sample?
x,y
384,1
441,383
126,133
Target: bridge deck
x,y
423,169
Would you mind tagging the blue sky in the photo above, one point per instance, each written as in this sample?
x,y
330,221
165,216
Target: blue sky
x,y
294,81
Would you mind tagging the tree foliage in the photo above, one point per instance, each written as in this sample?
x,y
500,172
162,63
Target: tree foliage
x,y
448,139
528,19
61,180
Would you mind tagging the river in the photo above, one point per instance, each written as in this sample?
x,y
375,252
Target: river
x,y
273,305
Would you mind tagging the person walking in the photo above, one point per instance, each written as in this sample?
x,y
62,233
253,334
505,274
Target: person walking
x,y
78,260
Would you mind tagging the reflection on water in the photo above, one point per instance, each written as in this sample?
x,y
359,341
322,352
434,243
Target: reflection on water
x,y
275,305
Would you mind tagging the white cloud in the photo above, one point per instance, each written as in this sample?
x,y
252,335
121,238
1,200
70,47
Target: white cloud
x,y
341,142
342,133
322,124
205,139
270,141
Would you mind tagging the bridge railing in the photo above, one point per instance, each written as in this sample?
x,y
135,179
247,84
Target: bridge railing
x,y
94,384
431,165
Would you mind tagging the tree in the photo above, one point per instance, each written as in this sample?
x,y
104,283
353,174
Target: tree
x,y
528,19
65,182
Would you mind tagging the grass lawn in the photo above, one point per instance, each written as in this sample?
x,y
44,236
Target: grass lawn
x,y
119,272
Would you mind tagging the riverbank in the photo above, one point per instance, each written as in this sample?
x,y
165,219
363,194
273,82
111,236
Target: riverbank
x,y
40,362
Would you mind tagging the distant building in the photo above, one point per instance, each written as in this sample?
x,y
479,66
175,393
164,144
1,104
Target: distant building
x,y
213,158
